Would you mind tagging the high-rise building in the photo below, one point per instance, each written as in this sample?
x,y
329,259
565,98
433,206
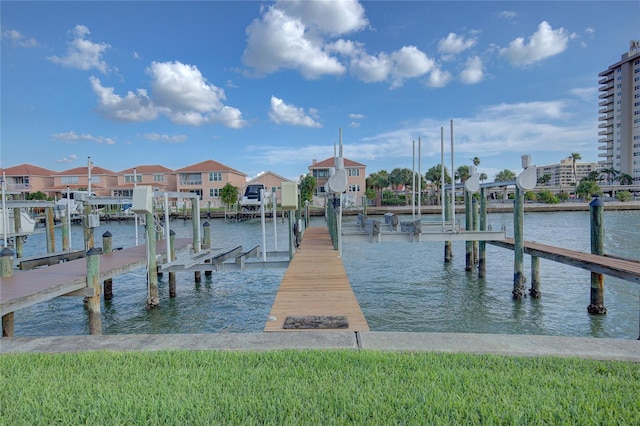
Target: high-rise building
x,y
619,128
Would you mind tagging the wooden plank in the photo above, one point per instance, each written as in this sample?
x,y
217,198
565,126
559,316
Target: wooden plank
x,y
624,269
316,284
25,263
26,288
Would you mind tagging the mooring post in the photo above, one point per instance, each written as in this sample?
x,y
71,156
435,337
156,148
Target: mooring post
x,y
50,223
65,235
534,291
596,208
88,231
93,291
448,251
468,225
6,270
172,256
197,275
482,245
518,246
17,223
153,299
107,247
476,226
206,241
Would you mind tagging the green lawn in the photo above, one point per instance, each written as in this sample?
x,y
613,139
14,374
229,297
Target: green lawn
x,y
313,387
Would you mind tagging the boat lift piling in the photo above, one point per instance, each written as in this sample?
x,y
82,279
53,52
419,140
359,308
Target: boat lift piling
x,y
6,270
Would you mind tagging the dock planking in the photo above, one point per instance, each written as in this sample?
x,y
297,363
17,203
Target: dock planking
x,y
316,285
625,269
27,288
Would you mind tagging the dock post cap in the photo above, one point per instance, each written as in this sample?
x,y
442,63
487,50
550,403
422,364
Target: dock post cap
x,y
93,251
6,252
107,234
206,224
172,232
596,202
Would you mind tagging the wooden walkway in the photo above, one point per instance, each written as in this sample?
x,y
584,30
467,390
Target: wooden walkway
x,y
628,270
26,288
316,285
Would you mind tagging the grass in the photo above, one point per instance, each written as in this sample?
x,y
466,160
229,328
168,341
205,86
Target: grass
x,y
313,387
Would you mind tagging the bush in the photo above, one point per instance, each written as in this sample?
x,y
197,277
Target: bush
x,y
530,196
623,196
546,196
563,196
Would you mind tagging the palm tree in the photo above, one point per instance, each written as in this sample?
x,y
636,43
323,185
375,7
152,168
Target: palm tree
x,y
624,179
611,174
476,161
483,177
378,181
575,156
544,179
463,173
505,175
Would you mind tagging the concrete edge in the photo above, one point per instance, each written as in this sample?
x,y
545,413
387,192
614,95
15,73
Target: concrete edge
x,y
496,344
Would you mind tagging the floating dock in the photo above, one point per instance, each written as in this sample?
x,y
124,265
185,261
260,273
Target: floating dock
x,y
315,293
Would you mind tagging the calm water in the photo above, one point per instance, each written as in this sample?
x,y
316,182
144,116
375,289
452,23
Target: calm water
x,y
400,286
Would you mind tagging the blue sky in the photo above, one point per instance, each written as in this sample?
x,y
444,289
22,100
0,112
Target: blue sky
x,y
267,85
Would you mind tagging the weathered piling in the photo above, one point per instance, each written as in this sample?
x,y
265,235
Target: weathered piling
x,y
153,298
107,247
172,256
88,230
468,219
534,291
93,291
482,245
197,275
448,251
50,223
596,208
65,235
518,248
17,224
6,270
206,241
476,226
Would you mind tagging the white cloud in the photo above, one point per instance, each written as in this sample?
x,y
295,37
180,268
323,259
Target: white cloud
x,y
278,41
587,94
454,44
333,17
439,78
544,43
357,116
72,137
15,38
282,113
354,124
82,53
507,14
66,160
134,107
165,138
409,62
473,72
371,69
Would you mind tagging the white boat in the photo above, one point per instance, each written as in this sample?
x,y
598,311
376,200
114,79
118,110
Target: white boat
x,y
27,224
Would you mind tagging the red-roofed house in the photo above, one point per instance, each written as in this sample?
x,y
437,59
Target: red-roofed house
x,y
102,180
207,179
26,179
356,179
159,177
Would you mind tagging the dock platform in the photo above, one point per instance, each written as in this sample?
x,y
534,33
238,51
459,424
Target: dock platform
x,y
315,293
26,288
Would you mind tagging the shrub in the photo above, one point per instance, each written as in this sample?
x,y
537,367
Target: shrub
x,y
623,196
546,196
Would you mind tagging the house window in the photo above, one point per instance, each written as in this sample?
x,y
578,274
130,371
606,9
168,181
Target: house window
x,y
215,177
190,179
320,173
354,188
353,172
130,178
70,180
214,192
158,177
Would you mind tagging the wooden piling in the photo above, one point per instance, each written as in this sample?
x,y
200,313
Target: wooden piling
x,y
534,291
93,291
65,235
172,256
448,250
518,249
197,275
50,223
468,225
107,247
596,209
153,299
6,270
476,226
482,245
88,231
17,223
206,241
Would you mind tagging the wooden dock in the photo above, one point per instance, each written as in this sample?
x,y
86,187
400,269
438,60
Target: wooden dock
x,y
625,269
315,293
26,288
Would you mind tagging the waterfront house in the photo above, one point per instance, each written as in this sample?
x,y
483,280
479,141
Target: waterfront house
x,y
271,181
25,179
206,179
102,180
356,179
159,177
